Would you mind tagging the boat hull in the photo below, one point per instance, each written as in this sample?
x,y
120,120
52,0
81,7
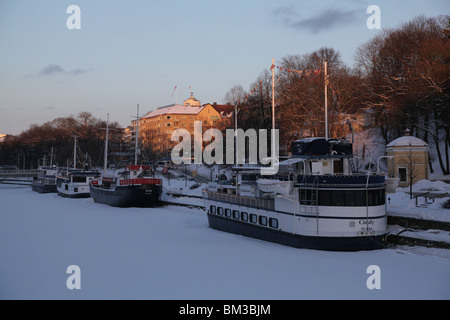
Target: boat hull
x,y
295,240
43,188
74,195
128,196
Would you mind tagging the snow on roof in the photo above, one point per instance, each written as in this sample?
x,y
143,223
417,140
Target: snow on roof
x,y
174,109
407,141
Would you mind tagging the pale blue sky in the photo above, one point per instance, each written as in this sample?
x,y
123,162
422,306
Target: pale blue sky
x,y
136,51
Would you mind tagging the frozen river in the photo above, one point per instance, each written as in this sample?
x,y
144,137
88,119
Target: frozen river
x,y
170,253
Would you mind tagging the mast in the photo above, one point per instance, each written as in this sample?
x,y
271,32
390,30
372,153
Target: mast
x,y
137,137
326,100
75,153
106,144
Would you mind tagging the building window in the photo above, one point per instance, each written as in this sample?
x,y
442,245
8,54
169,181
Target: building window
x,y
253,218
212,209
220,211
244,216
402,174
228,213
236,214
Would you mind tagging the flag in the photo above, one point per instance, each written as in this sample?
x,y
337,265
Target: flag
x,y
173,91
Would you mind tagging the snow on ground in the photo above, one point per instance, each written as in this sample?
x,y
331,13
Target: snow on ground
x,y
170,253
401,204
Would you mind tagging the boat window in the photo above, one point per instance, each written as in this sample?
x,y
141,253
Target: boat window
x,y
377,197
228,213
338,198
308,197
350,198
244,216
325,198
253,218
273,223
79,179
220,211
235,214
360,198
212,209
263,220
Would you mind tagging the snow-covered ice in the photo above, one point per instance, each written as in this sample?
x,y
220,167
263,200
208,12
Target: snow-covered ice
x,y
170,253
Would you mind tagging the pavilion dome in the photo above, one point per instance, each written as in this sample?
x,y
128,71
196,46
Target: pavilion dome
x,y
407,141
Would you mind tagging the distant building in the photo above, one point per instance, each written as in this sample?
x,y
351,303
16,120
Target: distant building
x,y
410,159
156,127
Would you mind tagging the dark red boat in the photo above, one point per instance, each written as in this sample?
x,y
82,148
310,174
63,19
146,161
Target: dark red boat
x,y
133,186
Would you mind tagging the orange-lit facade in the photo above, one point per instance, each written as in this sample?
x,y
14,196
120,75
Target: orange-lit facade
x,y
156,127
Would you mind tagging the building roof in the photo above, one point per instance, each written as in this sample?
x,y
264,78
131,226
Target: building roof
x,y
175,109
407,141
225,110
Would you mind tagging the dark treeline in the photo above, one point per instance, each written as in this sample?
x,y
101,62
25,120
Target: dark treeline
x,y
31,147
400,79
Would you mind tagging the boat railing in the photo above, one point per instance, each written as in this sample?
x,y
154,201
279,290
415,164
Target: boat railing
x,y
260,203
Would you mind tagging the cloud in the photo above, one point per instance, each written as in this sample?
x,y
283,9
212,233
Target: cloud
x,y
78,72
54,70
325,20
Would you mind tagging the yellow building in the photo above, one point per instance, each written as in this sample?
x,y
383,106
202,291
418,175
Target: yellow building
x,y
156,127
410,159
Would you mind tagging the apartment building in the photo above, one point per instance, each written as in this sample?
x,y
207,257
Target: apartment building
x,y
156,127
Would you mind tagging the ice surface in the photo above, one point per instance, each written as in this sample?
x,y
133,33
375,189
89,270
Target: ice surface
x,y
170,253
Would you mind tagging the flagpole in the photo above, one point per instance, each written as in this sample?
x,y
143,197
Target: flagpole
x,y
272,149
273,94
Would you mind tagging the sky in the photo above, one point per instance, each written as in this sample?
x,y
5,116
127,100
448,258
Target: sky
x,y
135,52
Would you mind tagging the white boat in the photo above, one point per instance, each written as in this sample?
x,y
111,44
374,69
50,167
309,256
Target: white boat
x,y
314,202
75,183
45,182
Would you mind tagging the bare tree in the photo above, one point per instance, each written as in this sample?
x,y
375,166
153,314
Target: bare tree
x,y
234,95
